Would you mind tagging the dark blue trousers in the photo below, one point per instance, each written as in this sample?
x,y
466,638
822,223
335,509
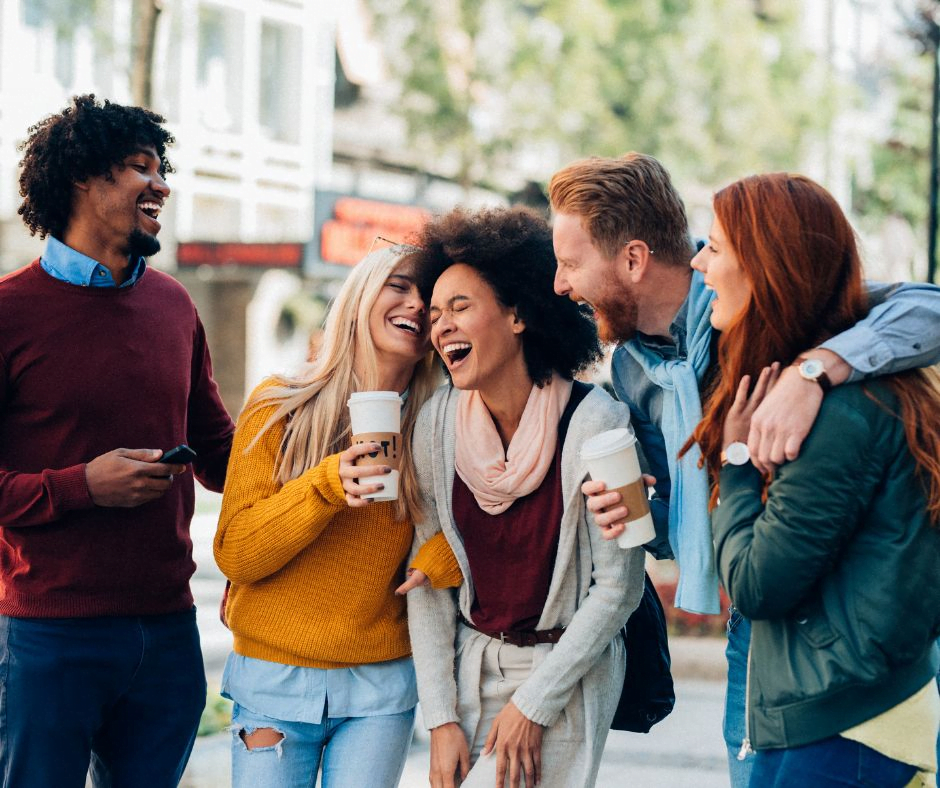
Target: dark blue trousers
x,y
830,763
120,696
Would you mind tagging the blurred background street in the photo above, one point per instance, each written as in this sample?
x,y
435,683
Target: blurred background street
x,y
305,129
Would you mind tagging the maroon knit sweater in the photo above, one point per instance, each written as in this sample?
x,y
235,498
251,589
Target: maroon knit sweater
x,y
83,371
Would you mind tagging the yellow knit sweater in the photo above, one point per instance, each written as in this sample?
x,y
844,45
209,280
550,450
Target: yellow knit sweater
x,y
313,579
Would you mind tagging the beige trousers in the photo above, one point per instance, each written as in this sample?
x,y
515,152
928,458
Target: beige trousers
x,y
504,669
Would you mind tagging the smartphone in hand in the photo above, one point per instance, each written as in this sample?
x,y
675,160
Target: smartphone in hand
x,y
181,455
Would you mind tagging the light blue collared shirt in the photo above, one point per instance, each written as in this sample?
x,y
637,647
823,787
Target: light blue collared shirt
x,y
295,694
67,265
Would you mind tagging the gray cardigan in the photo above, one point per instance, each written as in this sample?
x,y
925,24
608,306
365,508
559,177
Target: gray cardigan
x,y
594,588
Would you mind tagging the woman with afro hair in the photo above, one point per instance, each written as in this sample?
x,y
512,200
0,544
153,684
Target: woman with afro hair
x,y
520,669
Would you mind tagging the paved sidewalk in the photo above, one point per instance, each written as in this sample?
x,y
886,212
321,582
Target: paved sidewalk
x,y
686,749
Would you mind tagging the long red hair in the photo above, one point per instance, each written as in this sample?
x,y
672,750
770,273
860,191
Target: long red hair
x,y
798,251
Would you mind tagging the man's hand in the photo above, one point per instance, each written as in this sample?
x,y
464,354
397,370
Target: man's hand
x,y
449,751
608,508
782,421
518,744
129,477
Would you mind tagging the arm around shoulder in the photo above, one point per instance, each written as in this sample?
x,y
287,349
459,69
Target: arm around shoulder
x,y
902,331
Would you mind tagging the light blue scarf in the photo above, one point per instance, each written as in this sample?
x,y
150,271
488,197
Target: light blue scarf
x,y
690,530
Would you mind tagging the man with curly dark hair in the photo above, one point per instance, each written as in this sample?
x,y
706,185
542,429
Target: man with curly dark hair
x,y
103,366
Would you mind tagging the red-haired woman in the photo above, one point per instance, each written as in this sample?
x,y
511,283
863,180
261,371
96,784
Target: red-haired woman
x,y
836,557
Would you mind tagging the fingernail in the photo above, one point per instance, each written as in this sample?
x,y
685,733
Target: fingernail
x,y
381,487
387,470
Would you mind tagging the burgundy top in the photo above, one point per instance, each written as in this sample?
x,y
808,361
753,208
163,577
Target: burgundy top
x,y
511,555
85,370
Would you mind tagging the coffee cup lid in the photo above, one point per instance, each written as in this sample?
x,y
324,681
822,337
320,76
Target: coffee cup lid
x,y
374,396
607,442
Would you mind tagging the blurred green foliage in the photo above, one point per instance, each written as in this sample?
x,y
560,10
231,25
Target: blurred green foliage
x,y
898,181
900,163
216,716
717,90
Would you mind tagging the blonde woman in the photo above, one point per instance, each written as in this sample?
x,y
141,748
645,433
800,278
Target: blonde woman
x,y
321,673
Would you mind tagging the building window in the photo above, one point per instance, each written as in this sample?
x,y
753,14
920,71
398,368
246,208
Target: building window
x,y
280,94
62,21
219,71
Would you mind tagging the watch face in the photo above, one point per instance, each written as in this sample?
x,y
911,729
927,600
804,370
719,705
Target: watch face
x,y
737,453
812,368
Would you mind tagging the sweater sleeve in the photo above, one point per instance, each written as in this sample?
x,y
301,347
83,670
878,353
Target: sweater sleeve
x,y
770,557
264,524
38,498
210,428
438,562
432,614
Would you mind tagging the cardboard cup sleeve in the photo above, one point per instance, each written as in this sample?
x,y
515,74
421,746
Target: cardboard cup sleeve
x,y
635,498
389,453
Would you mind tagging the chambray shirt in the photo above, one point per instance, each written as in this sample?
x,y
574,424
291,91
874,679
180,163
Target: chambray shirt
x,y
67,265
295,694
902,331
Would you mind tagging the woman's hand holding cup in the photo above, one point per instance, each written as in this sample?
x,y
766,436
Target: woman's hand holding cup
x,y
608,508
349,474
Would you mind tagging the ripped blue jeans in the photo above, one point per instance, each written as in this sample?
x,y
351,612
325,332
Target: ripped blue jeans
x,y
354,752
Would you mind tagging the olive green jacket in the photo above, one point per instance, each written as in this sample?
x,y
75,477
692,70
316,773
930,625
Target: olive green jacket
x,y
838,572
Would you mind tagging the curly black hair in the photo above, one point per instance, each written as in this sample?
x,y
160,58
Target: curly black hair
x,y
511,248
83,141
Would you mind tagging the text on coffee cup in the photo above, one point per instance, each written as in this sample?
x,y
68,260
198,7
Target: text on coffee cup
x,y
388,453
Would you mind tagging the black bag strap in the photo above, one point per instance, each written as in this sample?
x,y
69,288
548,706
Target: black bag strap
x,y
579,391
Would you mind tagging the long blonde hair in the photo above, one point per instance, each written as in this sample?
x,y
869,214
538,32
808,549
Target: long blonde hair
x,y
313,403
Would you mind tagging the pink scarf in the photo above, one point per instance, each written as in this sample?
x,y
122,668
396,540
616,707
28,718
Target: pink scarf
x,y
496,478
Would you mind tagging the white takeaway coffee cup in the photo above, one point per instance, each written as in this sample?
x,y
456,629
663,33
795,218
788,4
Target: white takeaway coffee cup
x,y
611,458
376,418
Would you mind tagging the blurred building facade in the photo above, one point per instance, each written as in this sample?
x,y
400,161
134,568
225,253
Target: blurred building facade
x,y
287,138
246,87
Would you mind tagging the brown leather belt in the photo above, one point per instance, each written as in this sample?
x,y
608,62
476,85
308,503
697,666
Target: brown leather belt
x,y
519,637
